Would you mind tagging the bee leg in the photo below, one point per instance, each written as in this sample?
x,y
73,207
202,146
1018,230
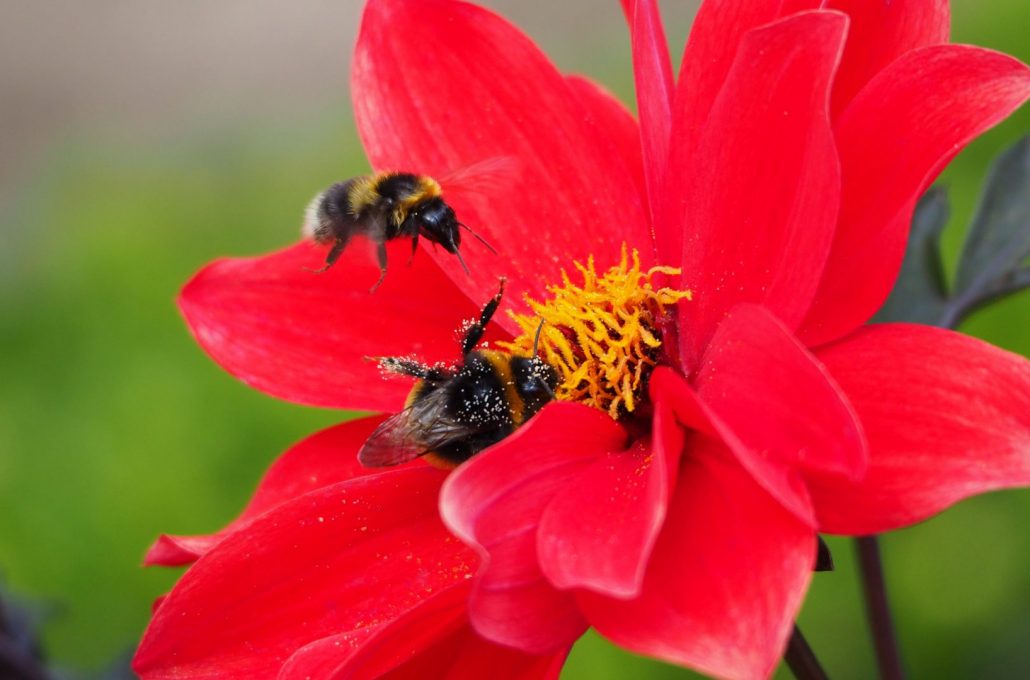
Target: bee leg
x,y
381,254
403,366
414,247
475,331
334,254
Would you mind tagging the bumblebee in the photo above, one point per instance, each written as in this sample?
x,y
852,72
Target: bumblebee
x,y
383,207
454,412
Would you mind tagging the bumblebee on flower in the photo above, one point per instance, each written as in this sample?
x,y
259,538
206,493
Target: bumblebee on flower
x,y
719,399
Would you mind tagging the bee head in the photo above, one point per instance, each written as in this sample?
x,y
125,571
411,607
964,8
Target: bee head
x,y
437,222
535,381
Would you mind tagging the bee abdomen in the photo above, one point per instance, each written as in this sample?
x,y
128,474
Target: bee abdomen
x,y
330,215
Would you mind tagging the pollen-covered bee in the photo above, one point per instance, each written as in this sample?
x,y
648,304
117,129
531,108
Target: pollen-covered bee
x,y
454,412
382,207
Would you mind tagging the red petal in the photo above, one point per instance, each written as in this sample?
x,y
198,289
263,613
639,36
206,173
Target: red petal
x,y
306,337
339,559
525,612
418,635
320,658
466,656
614,125
947,417
325,458
670,393
894,139
170,550
607,548
726,578
714,39
762,187
777,476
652,70
777,397
879,33
479,658
789,7
434,640
495,502
439,85
421,637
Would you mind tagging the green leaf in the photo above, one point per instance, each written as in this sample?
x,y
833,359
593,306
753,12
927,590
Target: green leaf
x,y
919,294
999,239
991,263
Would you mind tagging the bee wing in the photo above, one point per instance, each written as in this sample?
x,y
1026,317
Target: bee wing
x,y
392,443
489,175
415,431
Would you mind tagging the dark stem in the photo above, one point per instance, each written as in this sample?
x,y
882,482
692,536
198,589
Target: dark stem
x,y
888,658
801,659
881,625
961,306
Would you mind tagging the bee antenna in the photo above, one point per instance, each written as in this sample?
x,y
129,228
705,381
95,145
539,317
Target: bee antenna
x,y
462,261
481,239
536,338
536,345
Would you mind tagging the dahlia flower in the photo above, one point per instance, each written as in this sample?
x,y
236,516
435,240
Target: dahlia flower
x,y
704,275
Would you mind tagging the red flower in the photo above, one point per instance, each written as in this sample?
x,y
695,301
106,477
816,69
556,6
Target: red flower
x,y
328,565
779,173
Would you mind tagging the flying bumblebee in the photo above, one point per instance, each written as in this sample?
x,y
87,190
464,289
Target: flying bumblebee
x,y
382,207
454,412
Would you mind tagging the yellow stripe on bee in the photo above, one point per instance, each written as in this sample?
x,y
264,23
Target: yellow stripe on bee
x,y
438,461
501,363
363,193
430,187
427,188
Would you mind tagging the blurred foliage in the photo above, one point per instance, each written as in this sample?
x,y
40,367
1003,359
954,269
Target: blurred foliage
x,y
115,426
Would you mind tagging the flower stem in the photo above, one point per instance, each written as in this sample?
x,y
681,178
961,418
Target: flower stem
x,y
881,625
801,659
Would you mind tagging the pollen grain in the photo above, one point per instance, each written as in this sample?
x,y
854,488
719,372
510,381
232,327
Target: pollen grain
x,y
601,336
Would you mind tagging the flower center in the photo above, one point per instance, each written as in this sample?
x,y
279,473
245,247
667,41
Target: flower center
x,y
602,337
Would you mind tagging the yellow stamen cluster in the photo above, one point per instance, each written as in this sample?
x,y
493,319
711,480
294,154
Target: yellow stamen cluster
x,y
601,336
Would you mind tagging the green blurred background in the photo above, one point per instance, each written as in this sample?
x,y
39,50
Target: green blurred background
x,y
139,141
